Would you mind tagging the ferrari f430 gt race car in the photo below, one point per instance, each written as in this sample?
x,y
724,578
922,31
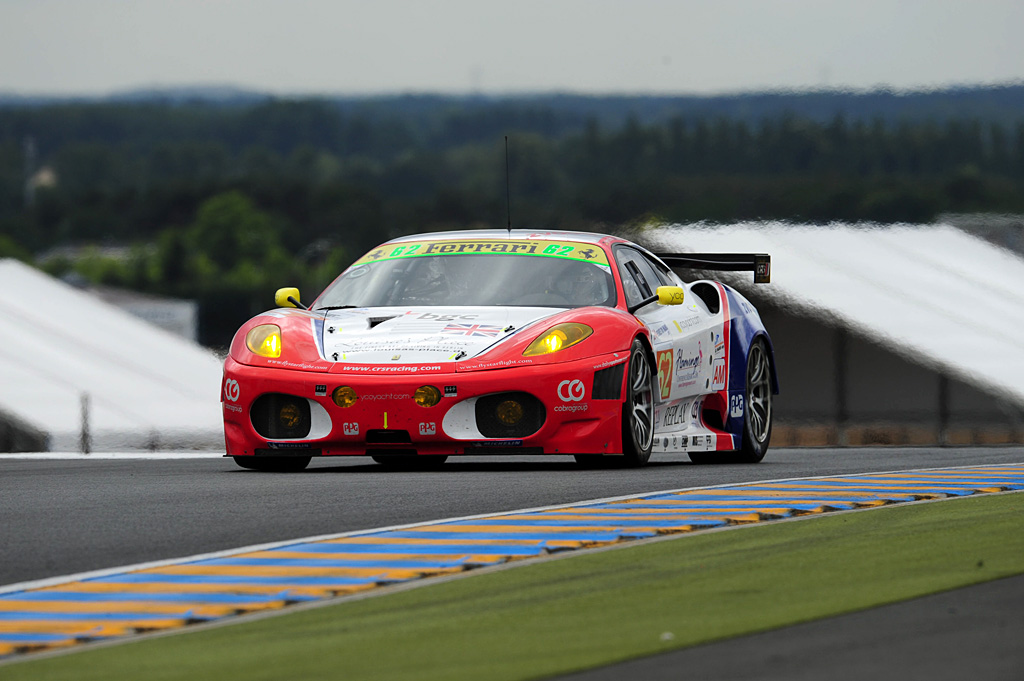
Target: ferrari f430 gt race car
x,y
494,342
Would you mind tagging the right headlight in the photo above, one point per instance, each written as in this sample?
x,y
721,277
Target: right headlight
x,y
264,340
558,337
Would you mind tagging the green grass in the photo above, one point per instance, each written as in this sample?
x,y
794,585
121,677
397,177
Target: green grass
x,y
593,608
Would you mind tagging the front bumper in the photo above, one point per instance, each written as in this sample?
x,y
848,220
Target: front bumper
x,y
580,402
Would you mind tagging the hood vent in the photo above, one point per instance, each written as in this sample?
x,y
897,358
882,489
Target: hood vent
x,y
374,321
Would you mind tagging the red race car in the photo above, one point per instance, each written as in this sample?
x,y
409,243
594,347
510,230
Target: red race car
x,y
495,342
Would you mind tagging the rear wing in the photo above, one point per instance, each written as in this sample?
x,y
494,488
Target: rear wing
x,y
758,263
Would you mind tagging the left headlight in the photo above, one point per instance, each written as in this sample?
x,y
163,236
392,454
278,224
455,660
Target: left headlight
x,y
264,340
558,337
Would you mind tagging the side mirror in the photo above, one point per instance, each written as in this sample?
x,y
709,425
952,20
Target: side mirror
x,y
287,297
670,295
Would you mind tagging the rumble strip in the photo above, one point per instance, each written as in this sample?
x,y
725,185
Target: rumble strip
x,y
63,612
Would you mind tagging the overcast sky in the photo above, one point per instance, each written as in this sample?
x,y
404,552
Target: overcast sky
x,y
592,46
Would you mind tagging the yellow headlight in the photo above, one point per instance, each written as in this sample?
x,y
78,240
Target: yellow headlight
x,y
558,337
344,396
426,396
264,340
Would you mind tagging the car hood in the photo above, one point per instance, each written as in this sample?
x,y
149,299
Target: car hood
x,y
416,335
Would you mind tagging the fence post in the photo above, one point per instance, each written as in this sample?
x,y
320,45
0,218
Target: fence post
x,y
86,439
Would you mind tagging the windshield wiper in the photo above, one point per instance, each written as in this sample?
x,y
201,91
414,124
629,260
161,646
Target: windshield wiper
x,y
336,307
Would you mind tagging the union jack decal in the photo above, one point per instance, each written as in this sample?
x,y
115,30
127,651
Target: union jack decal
x,y
472,329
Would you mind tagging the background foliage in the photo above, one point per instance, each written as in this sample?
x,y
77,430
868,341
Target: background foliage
x,y
225,198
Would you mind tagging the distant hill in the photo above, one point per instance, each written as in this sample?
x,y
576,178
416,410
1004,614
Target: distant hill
x,y
567,112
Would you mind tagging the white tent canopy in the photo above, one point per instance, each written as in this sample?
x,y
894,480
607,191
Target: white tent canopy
x,y
931,293
146,388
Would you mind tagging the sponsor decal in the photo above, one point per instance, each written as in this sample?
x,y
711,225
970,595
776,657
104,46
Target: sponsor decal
x,y
665,372
443,317
387,368
698,440
719,344
610,362
428,428
497,443
719,377
684,440
288,445
571,390
660,331
695,410
472,330
502,363
451,391
686,323
295,365
543,248
736,406
350,428
231,390
233,407
320,390
385,396
675,414
573,408
689,366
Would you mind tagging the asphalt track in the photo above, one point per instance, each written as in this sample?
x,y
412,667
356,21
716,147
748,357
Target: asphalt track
x,y
62,517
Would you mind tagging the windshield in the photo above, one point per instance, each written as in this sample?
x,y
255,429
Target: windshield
x,y
472,279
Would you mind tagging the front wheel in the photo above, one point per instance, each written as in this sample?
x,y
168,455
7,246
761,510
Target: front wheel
x,y
638,409
273,464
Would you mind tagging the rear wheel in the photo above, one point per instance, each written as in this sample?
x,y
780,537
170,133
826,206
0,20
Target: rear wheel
x,y
273,464
757,411
638,409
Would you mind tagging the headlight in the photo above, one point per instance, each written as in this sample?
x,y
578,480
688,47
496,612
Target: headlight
x,y
264,340
344,396
426,396
509,412
558,337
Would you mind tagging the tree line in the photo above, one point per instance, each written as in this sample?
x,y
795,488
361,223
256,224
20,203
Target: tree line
x,y
225,204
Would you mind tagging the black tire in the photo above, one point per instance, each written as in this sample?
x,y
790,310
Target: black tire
x,y
757,406
273,464
638,408
410,462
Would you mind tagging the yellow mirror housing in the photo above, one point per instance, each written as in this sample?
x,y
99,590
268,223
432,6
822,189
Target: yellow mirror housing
x,y
670,295
283,294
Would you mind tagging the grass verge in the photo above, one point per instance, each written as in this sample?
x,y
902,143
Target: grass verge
x,y
593,608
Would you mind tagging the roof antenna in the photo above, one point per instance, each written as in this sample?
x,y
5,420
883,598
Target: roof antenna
x,y
508,192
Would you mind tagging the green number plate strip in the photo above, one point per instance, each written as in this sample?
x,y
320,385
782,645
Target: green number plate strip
x,y
570,250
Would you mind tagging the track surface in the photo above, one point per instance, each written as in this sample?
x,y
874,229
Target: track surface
x,y
63,517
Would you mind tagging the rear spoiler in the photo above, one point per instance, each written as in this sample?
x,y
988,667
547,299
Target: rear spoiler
x,y
758,263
